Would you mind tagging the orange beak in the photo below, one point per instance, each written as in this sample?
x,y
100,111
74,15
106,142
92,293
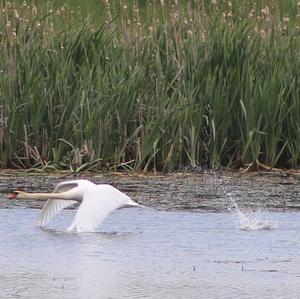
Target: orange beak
x,y
12,195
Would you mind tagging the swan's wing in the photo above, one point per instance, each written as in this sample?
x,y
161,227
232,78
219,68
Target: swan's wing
x,y
50,209
68,185
97,204
65,186
54,206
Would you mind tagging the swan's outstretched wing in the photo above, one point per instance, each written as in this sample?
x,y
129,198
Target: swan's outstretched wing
x,y
65,186
97,204
51,208
54,206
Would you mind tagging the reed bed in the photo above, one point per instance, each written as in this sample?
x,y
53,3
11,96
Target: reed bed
x,y
206,84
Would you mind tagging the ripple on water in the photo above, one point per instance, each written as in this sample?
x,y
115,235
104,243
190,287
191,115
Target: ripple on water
x,y
145,253
259,225
165,252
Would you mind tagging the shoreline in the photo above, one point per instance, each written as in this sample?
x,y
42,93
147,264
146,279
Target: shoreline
x,y
200,192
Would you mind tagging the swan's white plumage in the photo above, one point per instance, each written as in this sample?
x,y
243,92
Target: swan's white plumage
x,y
97,202
54,206
96,205
50,209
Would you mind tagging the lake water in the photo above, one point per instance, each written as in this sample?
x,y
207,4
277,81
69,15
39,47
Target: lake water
x,y
180,250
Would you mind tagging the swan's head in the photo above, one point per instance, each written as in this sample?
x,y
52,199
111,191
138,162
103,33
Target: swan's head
x,y
18,194
24,195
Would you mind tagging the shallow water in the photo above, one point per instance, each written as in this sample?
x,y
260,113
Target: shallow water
x,y
144,253
177,248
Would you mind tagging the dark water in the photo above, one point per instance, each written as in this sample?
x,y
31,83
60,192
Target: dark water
x,y
178,248
205,192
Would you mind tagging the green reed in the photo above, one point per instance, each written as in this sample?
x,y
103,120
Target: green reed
x,y
205,84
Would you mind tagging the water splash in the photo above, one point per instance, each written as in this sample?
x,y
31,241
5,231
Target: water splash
x,y
250,221
247,220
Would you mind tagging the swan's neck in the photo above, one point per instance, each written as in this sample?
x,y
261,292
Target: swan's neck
x,y
41,196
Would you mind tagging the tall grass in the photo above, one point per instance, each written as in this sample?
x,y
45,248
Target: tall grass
x,y
205,84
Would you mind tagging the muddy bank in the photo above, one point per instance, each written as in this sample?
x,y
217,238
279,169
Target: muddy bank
x,y
205,191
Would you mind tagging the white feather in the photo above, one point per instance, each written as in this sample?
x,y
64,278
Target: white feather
x,y
54,206
50,209
98,202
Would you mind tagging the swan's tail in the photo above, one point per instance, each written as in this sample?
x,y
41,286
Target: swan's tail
x,y
131,204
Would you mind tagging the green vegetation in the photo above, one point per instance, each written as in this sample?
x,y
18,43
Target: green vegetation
x,y
205,84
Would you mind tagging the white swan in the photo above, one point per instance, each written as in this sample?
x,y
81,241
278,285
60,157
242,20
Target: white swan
x,y
97,202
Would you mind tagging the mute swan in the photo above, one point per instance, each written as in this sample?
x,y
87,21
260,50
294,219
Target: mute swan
x,y
96,203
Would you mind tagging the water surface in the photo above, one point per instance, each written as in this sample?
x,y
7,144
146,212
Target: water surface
x,y
178,248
